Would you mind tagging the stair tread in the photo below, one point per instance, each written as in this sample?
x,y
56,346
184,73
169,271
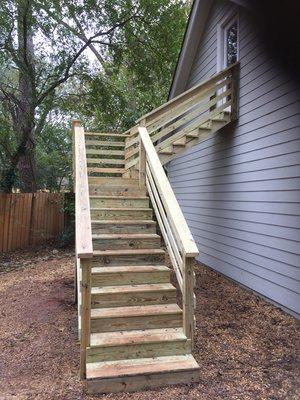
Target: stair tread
x,y
99,196
125,236
148,287
122,208
116,135
136,337
129,268
135,311
123,222
125,252
219,120
142,366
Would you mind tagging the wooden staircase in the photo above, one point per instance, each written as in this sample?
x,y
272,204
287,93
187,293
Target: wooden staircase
x,y
133,333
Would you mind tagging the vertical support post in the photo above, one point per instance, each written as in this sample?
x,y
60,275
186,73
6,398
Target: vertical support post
x,y
142,159
142,164
75,123
234,93
85,313
188,298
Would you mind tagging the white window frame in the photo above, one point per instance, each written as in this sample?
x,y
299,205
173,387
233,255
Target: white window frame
x,y
223,26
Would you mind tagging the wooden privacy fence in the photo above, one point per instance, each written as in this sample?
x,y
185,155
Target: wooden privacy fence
x,y
29,219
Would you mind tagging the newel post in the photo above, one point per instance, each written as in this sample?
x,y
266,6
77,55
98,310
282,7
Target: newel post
x,y
142,160
188,298
75,123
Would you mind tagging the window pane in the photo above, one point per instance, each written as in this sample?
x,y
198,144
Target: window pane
x,y
231,44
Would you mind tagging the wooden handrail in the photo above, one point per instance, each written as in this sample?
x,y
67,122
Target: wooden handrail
x,y
83,238
175,231
175,215
83,229
181,117
187,94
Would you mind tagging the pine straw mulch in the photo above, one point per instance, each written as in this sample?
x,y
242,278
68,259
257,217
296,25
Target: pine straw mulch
x,y
246,347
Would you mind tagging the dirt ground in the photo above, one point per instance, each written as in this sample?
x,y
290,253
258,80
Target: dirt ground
x,y
246,347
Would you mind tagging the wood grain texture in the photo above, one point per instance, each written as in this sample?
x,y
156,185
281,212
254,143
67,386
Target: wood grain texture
x,y
83,230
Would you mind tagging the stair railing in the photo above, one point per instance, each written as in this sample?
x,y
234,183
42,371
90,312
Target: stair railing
x,y
175,231
83,240
185,114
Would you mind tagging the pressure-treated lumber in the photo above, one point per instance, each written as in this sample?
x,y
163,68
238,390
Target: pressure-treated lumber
x,y
124,226
159,111
133,334
119,201
130,275
171,205
119,136
121,213
84,247
107,143
136,344
141,374
130,295
136,317
85,313
188,299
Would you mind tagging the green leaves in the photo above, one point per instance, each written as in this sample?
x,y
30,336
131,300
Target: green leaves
x,y
104,61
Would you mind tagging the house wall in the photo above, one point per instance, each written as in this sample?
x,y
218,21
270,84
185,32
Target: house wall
x,y
240,189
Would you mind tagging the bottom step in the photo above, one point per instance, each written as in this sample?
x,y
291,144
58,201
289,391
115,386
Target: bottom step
x,y
140,374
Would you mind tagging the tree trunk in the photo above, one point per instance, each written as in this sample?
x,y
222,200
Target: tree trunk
x,y
25,121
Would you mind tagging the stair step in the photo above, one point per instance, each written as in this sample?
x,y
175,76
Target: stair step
x,y
180,142
123,345
140,374
192,135
118,136
105,161
128,257
109,182
167,150
130,275
126,241
130,295
104,152
119,201
136,226
121,213
104,170
101,190
205,126
222,117
136,317
99,142
136,336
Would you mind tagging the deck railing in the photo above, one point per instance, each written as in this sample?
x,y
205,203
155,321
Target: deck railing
x,y
182,116
83,239
177,236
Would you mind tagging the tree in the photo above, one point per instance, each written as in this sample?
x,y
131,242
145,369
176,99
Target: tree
x,y
132,46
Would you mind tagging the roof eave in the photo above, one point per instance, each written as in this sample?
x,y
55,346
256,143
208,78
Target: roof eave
x,y
193,33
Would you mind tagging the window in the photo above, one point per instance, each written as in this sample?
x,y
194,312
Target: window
x,y
230,45
228,36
